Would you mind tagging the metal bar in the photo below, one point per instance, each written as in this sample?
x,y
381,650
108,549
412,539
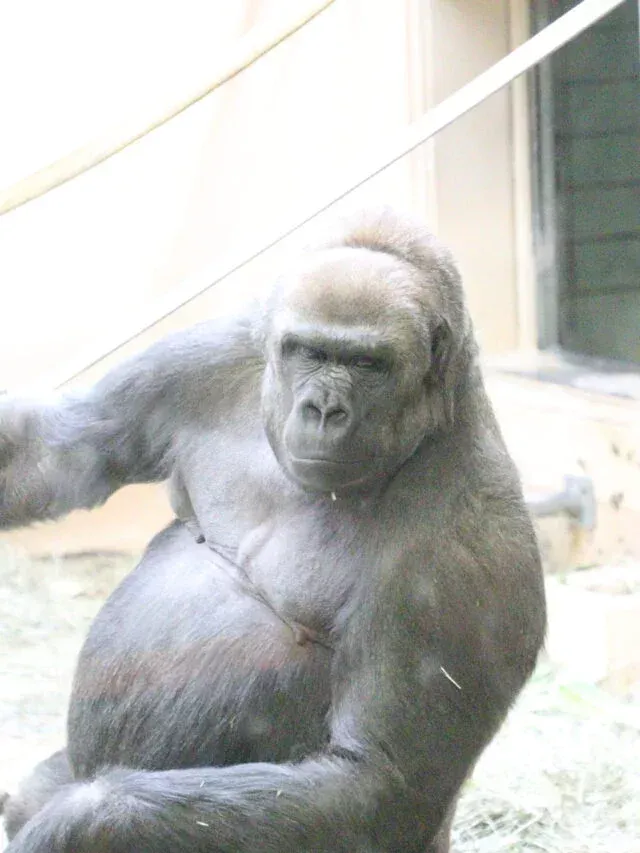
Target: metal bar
x,y
577,500
259,41
469,96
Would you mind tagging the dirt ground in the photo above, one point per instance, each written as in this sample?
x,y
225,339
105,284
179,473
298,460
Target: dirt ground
x,y
562,777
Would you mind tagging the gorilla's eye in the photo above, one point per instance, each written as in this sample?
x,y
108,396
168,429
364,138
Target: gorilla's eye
x,y
292,347
313,353
368,362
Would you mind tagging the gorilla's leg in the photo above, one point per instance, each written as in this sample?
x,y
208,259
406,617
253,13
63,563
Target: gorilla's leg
x,y
46,779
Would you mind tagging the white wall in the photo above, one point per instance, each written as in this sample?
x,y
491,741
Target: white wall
x,y
197,190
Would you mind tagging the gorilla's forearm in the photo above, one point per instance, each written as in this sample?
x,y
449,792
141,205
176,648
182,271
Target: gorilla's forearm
x,y
329,804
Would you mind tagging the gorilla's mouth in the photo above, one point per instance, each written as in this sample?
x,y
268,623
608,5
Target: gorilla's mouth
x,y
331,460
327,473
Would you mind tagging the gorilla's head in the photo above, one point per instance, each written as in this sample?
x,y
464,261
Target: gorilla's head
x,y
367,345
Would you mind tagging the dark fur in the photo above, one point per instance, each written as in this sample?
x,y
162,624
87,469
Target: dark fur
x,y
323,674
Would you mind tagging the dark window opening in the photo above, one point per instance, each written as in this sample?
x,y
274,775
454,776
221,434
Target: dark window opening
x,y
587,187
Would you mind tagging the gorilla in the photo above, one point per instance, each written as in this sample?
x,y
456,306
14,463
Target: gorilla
x,y
323,671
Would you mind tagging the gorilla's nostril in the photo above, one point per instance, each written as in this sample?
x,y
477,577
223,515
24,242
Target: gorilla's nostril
x,y
335,416
310,412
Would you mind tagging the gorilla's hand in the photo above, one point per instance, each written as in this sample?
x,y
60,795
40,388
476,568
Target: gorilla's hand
x,y
55,456
11,425
27,462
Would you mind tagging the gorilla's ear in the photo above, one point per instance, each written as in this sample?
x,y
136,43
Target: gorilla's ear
x,y
444,373
441,346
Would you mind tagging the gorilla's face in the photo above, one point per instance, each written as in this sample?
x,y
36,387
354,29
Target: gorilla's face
x,y
347,395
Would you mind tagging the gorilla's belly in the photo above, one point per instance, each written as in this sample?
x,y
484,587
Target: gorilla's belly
x,y
190,670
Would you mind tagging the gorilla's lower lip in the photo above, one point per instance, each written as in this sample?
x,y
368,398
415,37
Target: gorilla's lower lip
x,y
330,460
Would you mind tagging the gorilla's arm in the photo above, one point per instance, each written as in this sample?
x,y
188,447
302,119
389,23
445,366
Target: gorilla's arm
x,y
75,450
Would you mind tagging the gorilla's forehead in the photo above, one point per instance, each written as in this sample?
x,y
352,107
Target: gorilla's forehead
x,y
351,286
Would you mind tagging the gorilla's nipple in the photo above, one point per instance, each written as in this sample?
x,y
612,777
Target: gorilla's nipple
x,y
303,635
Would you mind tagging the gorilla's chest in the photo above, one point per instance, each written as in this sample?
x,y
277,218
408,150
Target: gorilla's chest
x,y
301,551
300,567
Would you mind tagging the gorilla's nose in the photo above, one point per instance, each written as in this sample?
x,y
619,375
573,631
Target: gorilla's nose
x,y
325,414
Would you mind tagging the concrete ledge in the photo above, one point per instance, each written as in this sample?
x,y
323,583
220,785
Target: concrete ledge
x,y
554,430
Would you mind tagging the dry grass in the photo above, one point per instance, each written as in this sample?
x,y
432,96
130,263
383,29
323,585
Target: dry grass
x,y
563,776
